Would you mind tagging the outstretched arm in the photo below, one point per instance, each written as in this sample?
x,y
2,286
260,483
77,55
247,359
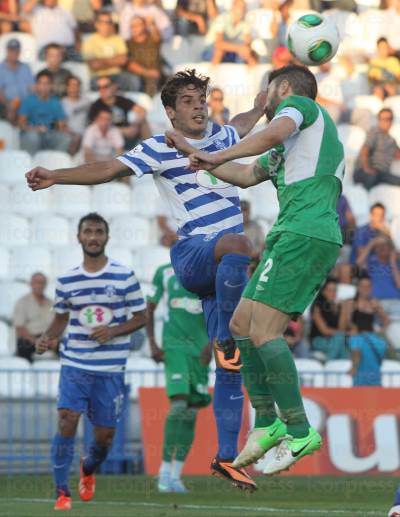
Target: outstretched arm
x,y
244,122
88,174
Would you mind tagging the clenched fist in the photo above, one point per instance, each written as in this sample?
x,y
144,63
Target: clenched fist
x,y
40,178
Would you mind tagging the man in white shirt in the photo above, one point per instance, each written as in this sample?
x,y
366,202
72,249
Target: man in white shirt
x,y
101,140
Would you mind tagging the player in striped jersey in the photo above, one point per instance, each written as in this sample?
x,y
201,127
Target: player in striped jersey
x,y
212,254
100,303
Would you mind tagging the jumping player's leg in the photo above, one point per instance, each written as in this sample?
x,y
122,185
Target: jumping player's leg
x,y
395,510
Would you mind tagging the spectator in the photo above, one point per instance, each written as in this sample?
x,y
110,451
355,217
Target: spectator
x,y
76,109
384,70
325,335
101,140
281,57
42,119
217,112
294,336
193,16
367,348
54,56
129,117
10,20
144,56
229,38
377,154
283,18
106,53
145,9
364,234
16,81
252,230
330,94
52,24
341,5
32,316
380,261
84,12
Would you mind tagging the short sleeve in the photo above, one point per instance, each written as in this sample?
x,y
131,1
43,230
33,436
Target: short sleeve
x,y
157,287
116,138
61,303
302,110
234,137
142,159
134,300
371,138
19,319
355,342
88,137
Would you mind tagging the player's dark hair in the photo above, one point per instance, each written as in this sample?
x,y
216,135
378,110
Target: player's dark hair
x,y
44,73
301,80
377,205
179,81
93,217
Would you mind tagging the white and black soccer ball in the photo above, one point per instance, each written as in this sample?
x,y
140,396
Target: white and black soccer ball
x,y
313,39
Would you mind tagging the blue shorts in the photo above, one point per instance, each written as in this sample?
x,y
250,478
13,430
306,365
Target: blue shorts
x,y
101,397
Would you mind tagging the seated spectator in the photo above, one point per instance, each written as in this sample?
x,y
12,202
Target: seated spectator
x,y
325,335
294,336
129,117
32,316
145,9
252,230
52,24
364,234
217,112
76,109
283,18
16,81
330,94
10,20
380,261
377,154
366,346
84,12
144,55
281,57
229,38
101,140
42,119
54,56
193,16
105,53
384,70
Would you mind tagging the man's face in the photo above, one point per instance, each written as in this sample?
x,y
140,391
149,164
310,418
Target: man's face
x,y
104,25
190,115
138,26
273,100
106,88
383,49
53,57
385,121
216,101
104,120
38,284
13,55
93,238
377,216
73,88
43,86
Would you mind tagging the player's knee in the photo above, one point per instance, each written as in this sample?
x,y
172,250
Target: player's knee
x,y
104,437
234,243
67,422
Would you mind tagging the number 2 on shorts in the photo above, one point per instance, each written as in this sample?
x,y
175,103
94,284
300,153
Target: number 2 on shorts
x,y
268,266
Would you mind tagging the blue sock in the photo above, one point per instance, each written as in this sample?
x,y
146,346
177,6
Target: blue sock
x,y
228,405
97,454
62,454
397,498
230,280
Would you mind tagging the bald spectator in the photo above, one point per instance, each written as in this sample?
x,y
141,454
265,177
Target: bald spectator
x,y
32,316
147,10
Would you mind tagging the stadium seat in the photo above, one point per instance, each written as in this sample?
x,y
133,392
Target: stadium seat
x,y
390,373
395,231
336,373
80,70
349,28
14,230
13,166
4,263
50,229
149,259
65,258
177,51
389,196
368,102
395,132
393,334
264,202
395,167
143,372
112,199
28,260
144,199
310,372
28,46
394,104
9,138
46,375
26,202
52,159
140,98
10,292
352,137
122,255
72,200
4,198
4,340
345,292
130,231
16,380
157,117
359,203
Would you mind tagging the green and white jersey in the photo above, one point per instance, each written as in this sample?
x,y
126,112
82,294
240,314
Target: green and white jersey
x,y
309,179
184,323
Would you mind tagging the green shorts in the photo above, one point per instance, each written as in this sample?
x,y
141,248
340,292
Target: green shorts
x,y
185,375
291,271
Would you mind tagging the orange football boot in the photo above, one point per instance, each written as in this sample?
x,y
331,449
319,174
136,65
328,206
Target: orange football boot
x,y
63,502
238,477
87,485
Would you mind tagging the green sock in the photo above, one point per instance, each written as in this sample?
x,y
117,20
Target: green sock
x,y
185,433
283,381
171,428
255,380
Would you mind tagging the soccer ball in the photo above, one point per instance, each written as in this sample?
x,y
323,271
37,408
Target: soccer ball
x,y
313,39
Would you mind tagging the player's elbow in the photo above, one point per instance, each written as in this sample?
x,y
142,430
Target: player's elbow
x,y
140,319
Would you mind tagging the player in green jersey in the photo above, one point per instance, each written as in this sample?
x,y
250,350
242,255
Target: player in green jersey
x,y
304,159
186,354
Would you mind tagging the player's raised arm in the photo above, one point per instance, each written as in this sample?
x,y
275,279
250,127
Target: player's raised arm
x,y
88,174
244,122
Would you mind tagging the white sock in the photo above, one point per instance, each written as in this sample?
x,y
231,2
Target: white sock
x,y
176,469
165,468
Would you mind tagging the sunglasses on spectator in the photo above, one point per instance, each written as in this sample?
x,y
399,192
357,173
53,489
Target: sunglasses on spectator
x,y
103,86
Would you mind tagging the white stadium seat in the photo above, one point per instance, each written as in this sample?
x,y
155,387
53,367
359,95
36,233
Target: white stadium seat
x,y
389,196
28,46
375,23
66,258
26,202
394,104
310,372
28,260
46,378
50,230
122,255
14,230
112,199
16,379
13,166
395,231
345,292
393,334
149,259
10,293
390,373
157,117
72,200
4,340
369,102
8,135
395,167
130,231
358,200
144,199
4,198
352,137
140,98
336,373
4,263
395,132
52,159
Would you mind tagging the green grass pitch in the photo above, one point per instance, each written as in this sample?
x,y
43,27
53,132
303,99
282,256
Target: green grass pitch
x,y
136,496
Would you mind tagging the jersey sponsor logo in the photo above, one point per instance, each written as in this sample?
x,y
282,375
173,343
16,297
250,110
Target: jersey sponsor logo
x,y
208,180
176,377
110,290
219,144
190,305
93,316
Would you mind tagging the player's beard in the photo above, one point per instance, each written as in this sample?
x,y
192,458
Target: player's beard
x,y
94,254
272,104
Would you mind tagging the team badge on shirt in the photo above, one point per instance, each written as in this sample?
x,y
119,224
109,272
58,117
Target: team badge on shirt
x,y
110,290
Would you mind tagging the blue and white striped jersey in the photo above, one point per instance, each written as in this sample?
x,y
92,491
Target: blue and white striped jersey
x,y
200,203
108,297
